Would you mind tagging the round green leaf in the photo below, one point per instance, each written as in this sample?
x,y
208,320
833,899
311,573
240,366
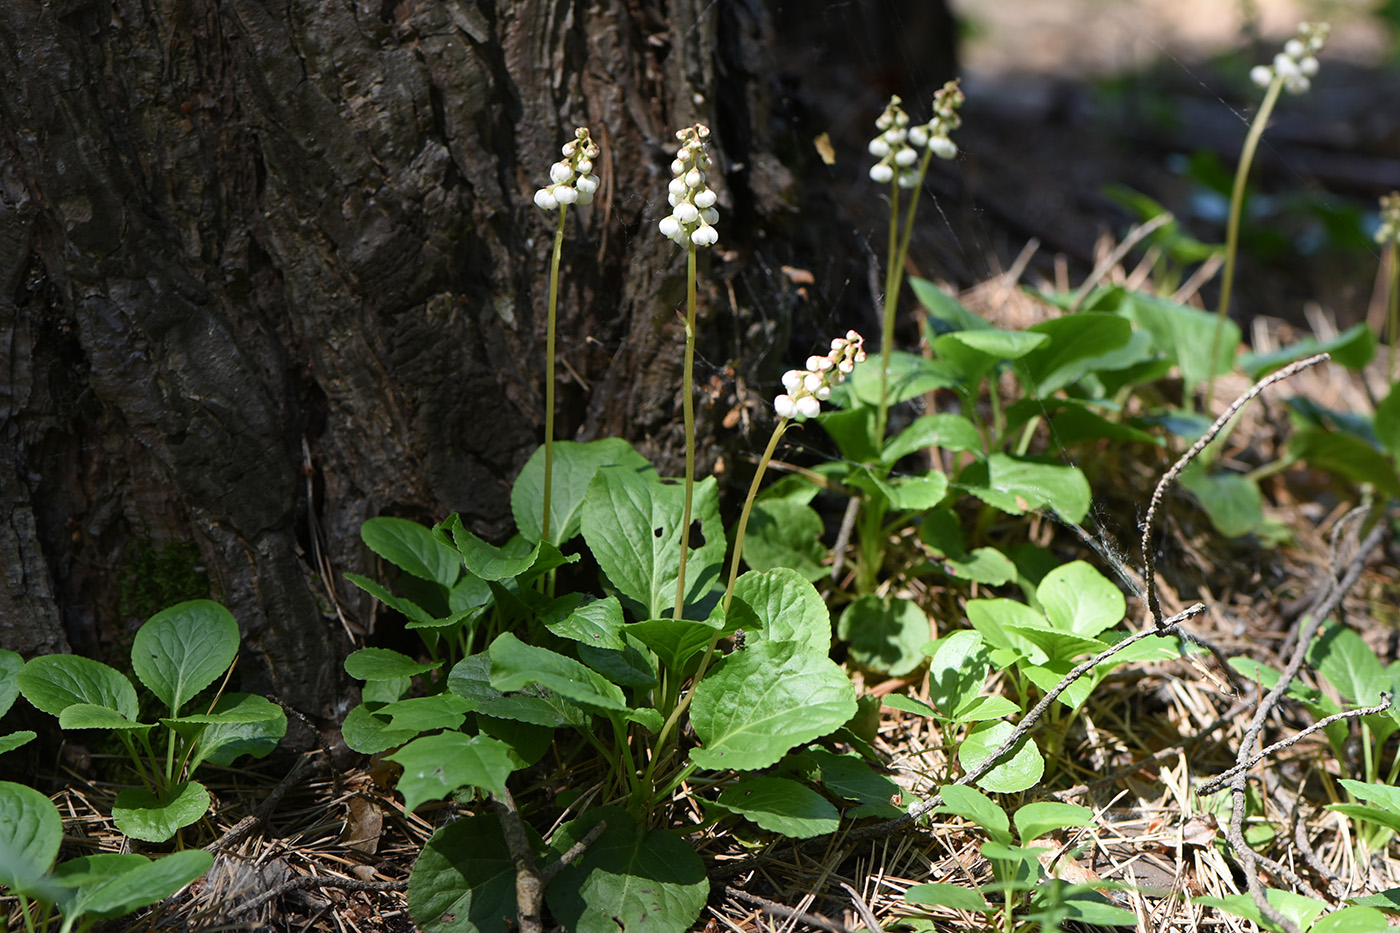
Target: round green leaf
x,y
1017,773
384,664
782,805
30,833
971,804
789,608
631,878
885,635
1079,599
183,649
151,818
757,704
55,682
1034,820
785,533
464,880
574,467
368,735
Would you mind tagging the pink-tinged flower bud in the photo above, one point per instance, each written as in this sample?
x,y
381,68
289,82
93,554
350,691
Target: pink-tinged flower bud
x,y
584,167
808,407
560,172
587,184
785,406
686,213
693,178
545,199
812,362
823,393
792,379
812,382
846,367
704,198
669,226
678,167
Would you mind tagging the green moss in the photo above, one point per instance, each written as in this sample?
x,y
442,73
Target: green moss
x,y
155,578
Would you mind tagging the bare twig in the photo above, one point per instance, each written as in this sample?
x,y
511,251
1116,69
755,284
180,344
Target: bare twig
x,y
782,912
246,826
867,915
1134,237
1218,782
1148,556
530,879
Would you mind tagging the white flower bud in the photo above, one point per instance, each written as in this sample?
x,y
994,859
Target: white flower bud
x,y
813,362
677,188
878,147
908,179
1261,75
792,379
784,406
905,157
846,367
1285,66
587,184
1308,66
560,172
881,173
812,382
943,147
673,199
585,167
838,343
565,195
568,149
1294,48
823,364
693,178
704,198
1296,84
918,135
678,168
896,137
809,407
686,213
669,226
545,199
705,235
823,393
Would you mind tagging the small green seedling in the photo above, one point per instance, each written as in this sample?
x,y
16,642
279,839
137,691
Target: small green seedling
x,y
83,890
176,654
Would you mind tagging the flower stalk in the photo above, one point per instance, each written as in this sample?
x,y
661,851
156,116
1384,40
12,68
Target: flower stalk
x,y
1388,236
691,224
1292,70
571,182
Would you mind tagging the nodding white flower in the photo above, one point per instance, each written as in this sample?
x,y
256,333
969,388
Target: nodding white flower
x,y
881,173
1297,63
808,388
943,147
573,181
693,216
945,119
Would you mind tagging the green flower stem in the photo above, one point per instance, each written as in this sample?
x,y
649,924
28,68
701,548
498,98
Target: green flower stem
x,y
1232,230
1393,324
688,405
549,372
887,314
663,792
748,507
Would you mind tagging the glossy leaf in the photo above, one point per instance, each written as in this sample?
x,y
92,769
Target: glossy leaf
x,y
515,665
631,878
944,307
910,375
436,765
1349,664
384,664
1077,598
244,724
785,533
31,831
464,879
183,649
781,805
597,623
851,777
943,431
10,666
1076,341
471,680
1019,485
575,465
89,716
885,634
1352,348
759,703
1034,820
1347,456
957,672
674,643
1184,334
413,549
1022,770
142,885
406,607
155,818
424,714
790,608
632,526
367,734
976,807
54,682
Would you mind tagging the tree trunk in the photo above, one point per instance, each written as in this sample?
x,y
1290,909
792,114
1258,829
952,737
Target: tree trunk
x,y
269,269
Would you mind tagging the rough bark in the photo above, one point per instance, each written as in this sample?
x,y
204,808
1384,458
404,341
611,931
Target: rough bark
x,y
235,230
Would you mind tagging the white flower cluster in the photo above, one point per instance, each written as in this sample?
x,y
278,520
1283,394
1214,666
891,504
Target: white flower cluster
x,y
573,181
894,144
693,215
934,133
1296,65
808,388
891,147
1389,230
